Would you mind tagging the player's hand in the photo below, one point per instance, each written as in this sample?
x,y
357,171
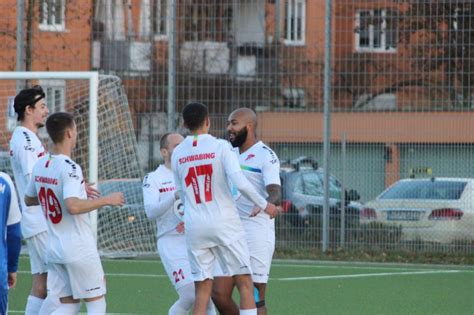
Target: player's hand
x,y
271,210
11,280
255,211
180,227
116,199
92,192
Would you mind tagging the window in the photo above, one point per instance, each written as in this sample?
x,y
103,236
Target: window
x,y
160,19
52,15
208,20
376,31
294,98
295,22
55,94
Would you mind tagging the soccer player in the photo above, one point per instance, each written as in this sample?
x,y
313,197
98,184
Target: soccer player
x,y
74,270
11,238
25,150
262,168
202,166
159,196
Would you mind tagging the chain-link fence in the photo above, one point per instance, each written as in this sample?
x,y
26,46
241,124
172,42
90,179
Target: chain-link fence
x,y
400,91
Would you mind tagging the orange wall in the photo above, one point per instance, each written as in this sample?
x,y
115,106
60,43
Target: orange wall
x,y
369,127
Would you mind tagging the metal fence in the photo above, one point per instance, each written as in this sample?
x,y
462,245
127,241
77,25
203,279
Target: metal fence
x,y
400,96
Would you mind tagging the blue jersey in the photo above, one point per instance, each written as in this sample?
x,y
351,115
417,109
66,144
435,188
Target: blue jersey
x,y
9,230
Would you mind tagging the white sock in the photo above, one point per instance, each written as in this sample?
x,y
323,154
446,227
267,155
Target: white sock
x,y
185,301
96,307
50,304
252,311
211,309
68,309
33,305
176,309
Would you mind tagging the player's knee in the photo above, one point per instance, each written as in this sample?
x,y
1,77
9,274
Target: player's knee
x,y
218,297
38,287
244,282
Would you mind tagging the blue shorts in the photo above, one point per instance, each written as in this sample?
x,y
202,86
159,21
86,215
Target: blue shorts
x,y
3,301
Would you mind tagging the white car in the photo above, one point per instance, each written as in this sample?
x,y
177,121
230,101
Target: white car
x,y
428,209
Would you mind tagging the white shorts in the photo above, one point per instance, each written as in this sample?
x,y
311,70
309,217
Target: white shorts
x,y
260,235
233,259
80,279
174,256
37,250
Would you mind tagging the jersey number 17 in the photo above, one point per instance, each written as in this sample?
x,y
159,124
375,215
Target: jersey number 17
x,y
191,179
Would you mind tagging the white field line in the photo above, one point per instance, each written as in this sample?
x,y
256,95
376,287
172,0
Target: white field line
x,y
138,275
357,275
366,275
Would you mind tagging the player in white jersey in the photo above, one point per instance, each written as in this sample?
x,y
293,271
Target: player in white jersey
x,y
202,166
74,268
160,196
10,238
25,150
262,168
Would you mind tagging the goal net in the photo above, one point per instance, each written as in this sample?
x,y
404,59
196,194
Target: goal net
x,y
106,149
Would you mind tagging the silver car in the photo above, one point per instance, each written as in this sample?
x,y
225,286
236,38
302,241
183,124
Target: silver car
x,y
428,209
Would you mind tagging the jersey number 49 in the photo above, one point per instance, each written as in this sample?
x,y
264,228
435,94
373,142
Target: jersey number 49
x,y
50,204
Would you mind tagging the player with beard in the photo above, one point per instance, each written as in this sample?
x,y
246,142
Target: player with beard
x,y
262,168
203,166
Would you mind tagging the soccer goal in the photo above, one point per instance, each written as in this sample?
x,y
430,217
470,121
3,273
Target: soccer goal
x,y
106,149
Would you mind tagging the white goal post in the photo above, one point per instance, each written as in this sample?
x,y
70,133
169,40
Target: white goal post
x,y
106,149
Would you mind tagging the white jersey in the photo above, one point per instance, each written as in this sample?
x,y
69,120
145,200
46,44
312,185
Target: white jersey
x,y
261,166
25,150
54,179
158,197
201,165
11,207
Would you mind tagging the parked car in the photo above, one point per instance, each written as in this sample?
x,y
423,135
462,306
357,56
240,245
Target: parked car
x,y
303,194
429,209
125,230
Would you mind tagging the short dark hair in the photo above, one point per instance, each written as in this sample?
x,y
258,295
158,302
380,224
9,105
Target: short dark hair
x,y
194,115
27,97
164,140
56,125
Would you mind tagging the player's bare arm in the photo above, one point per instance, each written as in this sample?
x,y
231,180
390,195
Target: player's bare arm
x,y
274,197
12,276
78,206
274,201
92,192
274,194
31,201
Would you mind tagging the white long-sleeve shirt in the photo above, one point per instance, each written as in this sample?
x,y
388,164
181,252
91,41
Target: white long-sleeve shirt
x,y
158,198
